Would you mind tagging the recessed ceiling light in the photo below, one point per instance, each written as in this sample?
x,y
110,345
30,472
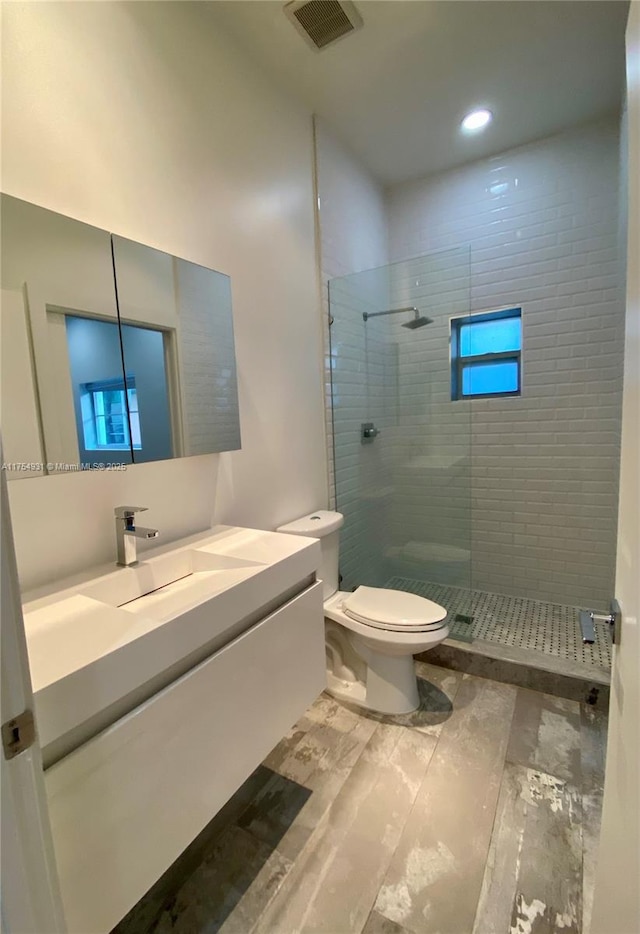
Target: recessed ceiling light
x,y
476,120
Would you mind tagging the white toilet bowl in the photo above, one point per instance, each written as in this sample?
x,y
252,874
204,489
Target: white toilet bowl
x,y
372,634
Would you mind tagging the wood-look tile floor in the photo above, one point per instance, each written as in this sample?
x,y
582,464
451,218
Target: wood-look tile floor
x,y
477,814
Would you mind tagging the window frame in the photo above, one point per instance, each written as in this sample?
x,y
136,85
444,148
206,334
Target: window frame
x,y
458,362
89,391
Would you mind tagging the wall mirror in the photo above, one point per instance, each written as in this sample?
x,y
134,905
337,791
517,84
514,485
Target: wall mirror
x,y
112,352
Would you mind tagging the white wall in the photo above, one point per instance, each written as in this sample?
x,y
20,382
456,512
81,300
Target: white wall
x,y
20,427
144,119
616,906
352,226
542,223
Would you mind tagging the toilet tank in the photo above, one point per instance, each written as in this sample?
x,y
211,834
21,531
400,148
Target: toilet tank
x,y
326,526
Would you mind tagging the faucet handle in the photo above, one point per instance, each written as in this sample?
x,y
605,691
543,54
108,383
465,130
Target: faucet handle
x,y
126,512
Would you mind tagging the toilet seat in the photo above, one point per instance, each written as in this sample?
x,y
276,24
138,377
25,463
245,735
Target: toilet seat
x,y
393,610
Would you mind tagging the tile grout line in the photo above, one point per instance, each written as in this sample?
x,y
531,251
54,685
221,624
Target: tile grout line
x,y
495,812
409,813
320,827
413,806
383,874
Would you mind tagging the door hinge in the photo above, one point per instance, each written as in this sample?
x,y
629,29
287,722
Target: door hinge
x,y
18,734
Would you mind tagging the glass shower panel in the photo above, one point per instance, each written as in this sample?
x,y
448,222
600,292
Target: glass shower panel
x,y
403,481
364,392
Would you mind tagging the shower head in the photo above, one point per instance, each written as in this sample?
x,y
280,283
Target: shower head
x,y
417,322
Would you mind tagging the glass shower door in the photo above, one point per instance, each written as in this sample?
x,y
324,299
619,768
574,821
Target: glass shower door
x,y
402,445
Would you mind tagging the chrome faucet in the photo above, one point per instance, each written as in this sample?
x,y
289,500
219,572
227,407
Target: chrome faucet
x,y
127,533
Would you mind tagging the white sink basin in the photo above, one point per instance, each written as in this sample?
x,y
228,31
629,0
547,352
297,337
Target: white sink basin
x,y
69,633
190,573
97,641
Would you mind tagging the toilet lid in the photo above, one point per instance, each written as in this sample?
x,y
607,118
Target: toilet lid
x,y
394,609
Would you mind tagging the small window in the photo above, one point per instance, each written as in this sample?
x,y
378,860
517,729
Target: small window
x,y
486,354
104,415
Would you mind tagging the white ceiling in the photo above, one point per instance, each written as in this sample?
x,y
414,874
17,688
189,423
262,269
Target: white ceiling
x,y
396,91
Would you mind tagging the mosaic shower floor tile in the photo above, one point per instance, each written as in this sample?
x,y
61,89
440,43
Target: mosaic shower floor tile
x,y
531,624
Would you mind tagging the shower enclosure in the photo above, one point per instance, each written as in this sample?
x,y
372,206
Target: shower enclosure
x,y
402,453
401,447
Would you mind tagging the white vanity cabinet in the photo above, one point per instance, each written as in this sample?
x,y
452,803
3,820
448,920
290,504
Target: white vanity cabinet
x,y
126,803
158,689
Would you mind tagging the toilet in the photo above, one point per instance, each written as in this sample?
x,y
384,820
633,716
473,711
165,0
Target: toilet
x,y
372,634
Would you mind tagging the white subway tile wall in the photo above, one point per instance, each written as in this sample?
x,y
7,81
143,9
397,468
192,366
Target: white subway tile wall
x,y
209,386
365,372
431,507
542,225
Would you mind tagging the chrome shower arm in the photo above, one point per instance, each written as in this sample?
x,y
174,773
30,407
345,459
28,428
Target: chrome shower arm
x,y
393,311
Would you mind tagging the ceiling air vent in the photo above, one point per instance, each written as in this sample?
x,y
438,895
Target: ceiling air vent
x,y
322,22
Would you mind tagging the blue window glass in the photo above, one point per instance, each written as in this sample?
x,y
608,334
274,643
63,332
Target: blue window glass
x,y
486,354
482,379
489,336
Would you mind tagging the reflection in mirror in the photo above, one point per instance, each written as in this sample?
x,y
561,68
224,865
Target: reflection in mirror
x,y
81,386
23,451
148,404
53,267
188,307
116,413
